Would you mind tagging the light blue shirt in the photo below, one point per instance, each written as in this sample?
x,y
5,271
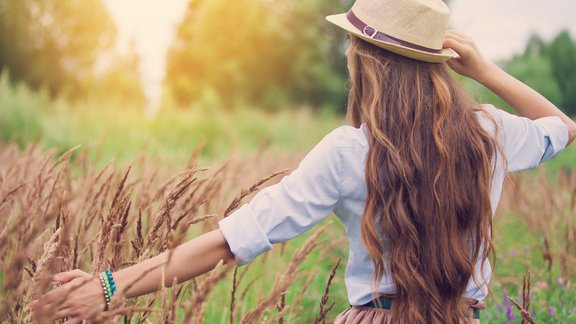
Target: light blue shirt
x,y
331,179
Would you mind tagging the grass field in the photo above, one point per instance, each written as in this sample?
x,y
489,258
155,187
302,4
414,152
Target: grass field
x,y
113,130
59,212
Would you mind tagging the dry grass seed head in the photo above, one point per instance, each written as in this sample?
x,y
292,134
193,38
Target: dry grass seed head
x,y
323,308
45,267
286,279
245,192
195,312
170,201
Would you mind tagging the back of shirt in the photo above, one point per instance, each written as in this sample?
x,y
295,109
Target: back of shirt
x,y
331,179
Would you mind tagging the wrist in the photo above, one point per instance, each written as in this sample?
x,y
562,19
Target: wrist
x,y
487,73
108,287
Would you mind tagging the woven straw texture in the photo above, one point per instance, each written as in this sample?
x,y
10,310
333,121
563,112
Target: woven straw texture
x,y
420,22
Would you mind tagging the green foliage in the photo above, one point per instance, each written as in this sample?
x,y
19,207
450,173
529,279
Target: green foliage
x,y
118,129
53,43
546,67
536,71
265,53
19,112
520,250
562,54
119,82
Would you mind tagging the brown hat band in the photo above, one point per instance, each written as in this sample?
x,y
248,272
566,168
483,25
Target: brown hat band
x,y
375,34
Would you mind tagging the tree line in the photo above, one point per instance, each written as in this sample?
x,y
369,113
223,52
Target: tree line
x,y
263,53
549,67
268,52
66,48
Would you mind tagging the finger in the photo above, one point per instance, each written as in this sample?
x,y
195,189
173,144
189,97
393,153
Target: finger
x,y
46,313
457,46
63,313
40,312
60,294
457,42
458,35
52,301
53,296
64,277
454,64
33,307
455,37
75,320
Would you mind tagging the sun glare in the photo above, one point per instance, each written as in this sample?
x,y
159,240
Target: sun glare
x,y
148,26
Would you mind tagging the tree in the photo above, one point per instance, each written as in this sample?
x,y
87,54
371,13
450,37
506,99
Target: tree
x,y
536,70
535,45
53,43
261,52
562,55
546,67
120,80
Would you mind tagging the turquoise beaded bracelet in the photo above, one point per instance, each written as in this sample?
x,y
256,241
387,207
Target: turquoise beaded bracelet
x,y
110,280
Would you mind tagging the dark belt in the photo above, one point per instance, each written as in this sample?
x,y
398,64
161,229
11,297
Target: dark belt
x,y
385,302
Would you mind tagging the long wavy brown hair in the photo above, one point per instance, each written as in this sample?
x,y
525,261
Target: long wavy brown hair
x,y
427,219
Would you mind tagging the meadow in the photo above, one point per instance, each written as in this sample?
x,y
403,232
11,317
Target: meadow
x,y
139,185
116,130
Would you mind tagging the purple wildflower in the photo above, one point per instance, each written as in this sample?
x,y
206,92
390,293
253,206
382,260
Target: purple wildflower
x,y
510,313
500,307
552,311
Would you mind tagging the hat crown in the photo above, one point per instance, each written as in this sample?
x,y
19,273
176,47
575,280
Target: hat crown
x,y
420,22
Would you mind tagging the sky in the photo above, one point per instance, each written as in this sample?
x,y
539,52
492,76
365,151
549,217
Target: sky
x,y
500,27
150,26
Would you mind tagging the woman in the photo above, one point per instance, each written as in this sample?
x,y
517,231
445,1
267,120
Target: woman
x,y
415,180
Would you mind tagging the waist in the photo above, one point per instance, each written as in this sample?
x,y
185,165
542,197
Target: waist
x,y
385,302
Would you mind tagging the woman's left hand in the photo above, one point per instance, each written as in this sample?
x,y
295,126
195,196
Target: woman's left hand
x,y
79,298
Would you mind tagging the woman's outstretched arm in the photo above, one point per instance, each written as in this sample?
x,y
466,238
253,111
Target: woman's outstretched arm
x,y
187,261
527,102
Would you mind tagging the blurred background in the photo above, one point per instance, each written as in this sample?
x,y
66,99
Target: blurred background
x,y
174,84
164,76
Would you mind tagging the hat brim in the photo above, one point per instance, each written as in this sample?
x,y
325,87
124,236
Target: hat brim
x,y
445,54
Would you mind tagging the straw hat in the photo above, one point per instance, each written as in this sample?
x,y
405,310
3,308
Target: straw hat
x,y
411,28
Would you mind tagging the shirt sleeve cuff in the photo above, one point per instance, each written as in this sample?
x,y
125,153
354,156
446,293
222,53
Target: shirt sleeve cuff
x,y
244,235
557,136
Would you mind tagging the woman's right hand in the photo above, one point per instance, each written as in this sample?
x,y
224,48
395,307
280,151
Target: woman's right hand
x,y
79,297
470,61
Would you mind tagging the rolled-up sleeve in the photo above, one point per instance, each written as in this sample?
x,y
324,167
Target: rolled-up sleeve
x,y
526,143
289,208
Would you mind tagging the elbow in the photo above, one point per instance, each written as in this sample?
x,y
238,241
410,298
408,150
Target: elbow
x,y
227,255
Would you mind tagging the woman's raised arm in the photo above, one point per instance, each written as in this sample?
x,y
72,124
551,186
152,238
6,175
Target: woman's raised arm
x,y
525,100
